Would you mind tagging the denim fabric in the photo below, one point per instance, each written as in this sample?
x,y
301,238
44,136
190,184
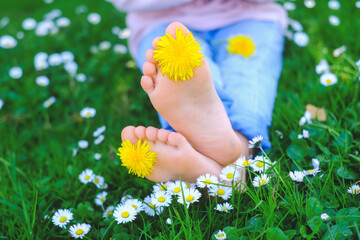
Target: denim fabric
x,y
247,87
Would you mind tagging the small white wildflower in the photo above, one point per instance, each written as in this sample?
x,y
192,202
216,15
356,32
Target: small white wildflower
x,y
20,35
261,164
75,152
7,42
125,198
108,212
176,187
81,9
190,196
79,230
322,67
83,144
71,68
136,204
328,79
162,199
55,59
301,39
50,101
94,18
224,207
29,24
100,198
289,6
220,235
80,77
55,13
15,72
309,3
315,162
124,213
67,56
88,112
86,176
150,208
206,180
357,4
1,103
99,140
224,192
338,51
94,49
296,25
42,81
125,33
325,217
63,22
334,20
120,49
41,65
242,162
229,174
98,181
255,142
297,176
4,22
97,156
104,45
115,30
168,221
334,5
62,217
99,131
305,134
161,186
261,180
311,172
354,189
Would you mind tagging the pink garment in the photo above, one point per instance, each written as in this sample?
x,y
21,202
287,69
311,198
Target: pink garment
x,y
202,15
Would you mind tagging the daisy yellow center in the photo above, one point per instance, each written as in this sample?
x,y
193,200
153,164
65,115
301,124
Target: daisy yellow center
x,y
221,192
87,177
246,163
137,158
88,113
221,235
177,189
224,208
96,180
102,199
79,231
109,213
189,198
229,175
241,45
161,199
260,164
134,206
125,214
207,181
328,81
178,57
187,185
152,205
310,171
163,187
62,219
262,182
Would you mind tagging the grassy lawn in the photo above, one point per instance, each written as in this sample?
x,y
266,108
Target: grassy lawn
x,y
40,157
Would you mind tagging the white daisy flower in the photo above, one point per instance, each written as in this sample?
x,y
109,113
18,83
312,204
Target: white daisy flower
x,y
190,196
261,180
15,72
357,4
94,18
224,207
99,140
338,51
4,22
125,33
311,171
104,186
88,112
94,49
296,25
71,68
220,235
7,42
67,56
328,79
1,103
104,45
100,198
206,180
81,9
325,217
79,230
29,24
224,192
161,186
86,176
150,208
42,81
62,217
40,56
289,6
99,131
354,189
55,59
80,77
297,176
63,22
305,134
175,187
334,20
120,49
162,199
108,212
124,213
83,144
301,39
136,204
115,30
255,142
168,221
334,4
98,181
41,65
305,119
97,156
322,67
315,162
125,198
261,164
230,174
189,185
50,101
242,162
20,35
309,3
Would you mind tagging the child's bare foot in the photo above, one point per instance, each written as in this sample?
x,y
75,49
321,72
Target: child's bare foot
x,y
175,156
192,107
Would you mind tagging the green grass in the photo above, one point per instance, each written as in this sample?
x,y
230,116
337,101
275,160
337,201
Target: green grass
x,y
39,173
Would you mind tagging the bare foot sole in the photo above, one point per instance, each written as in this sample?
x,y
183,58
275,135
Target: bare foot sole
x,y
176,158
192,107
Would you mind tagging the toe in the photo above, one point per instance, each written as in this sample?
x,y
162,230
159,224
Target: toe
x,y
140,132
151,133
149,55
149,69
163,135
129,133
147,83
171,29
154,45
176,139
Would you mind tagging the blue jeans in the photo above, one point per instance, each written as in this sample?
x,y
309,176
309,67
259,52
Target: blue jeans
x,y
247,87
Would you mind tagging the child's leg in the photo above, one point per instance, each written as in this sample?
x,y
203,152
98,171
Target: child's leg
x,y
251,83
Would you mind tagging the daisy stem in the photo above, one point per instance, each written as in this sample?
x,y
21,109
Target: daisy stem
x,y
331,237
107,229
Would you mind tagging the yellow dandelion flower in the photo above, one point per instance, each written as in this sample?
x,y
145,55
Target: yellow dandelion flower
x,y
137,158
242,45
178,57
